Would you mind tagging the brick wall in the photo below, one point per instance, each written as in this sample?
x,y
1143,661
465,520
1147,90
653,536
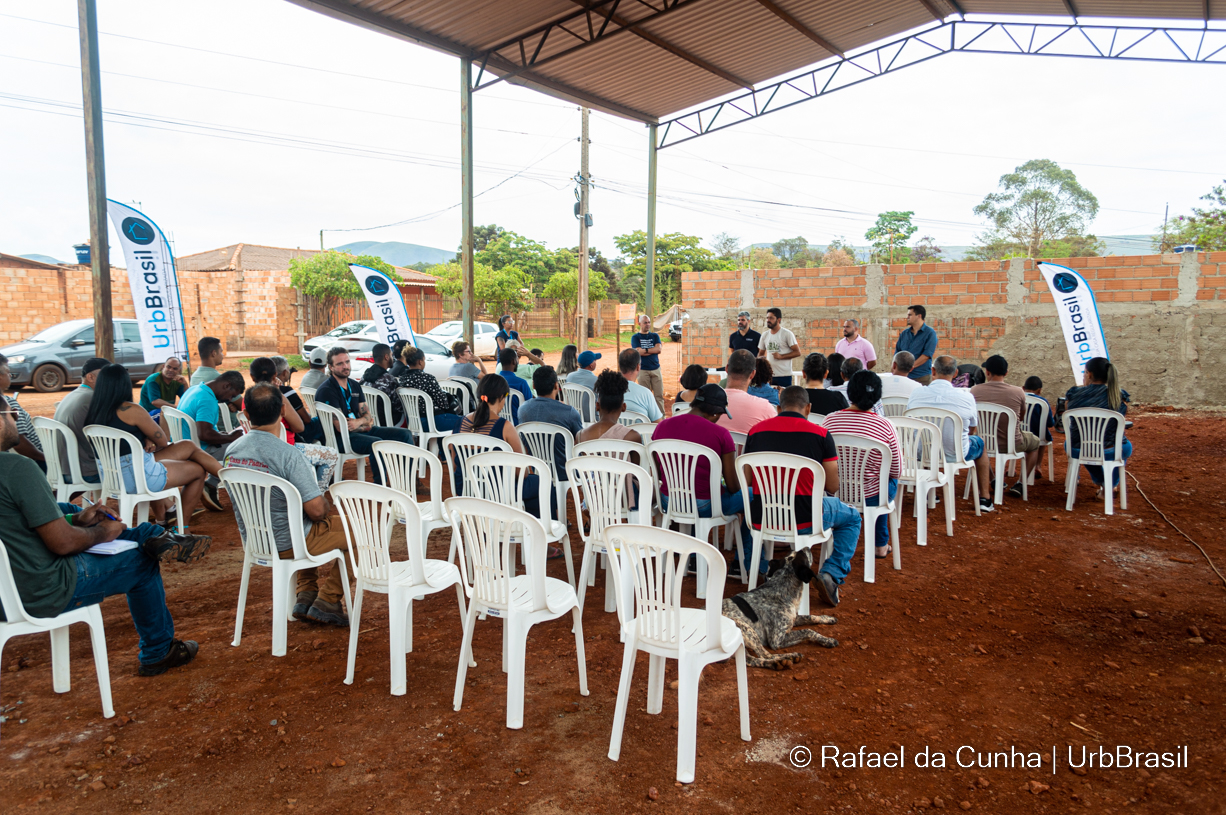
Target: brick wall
x,y
1162,314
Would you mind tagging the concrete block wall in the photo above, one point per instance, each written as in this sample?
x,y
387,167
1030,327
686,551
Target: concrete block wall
x,y
1164,315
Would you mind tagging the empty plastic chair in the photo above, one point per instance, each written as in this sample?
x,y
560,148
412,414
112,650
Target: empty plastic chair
x,y
402,465
419,416
607,486
923,471
57,437
653,563
540,440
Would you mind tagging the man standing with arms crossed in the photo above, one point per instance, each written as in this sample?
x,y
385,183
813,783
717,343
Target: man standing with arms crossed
x,y
853,346
647,343
744,338
779,348
920,341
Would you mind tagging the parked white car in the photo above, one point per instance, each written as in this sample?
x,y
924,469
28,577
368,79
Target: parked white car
x,y
359,337
452,330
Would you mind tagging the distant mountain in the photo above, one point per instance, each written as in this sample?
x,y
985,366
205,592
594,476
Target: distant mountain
x,y
42,259
397,253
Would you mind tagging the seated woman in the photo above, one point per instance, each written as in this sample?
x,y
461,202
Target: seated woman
x,y
569,362
1099,389
760,385
181,464
492,393
692,378
834,370
821,400
611,389
322,459
864,388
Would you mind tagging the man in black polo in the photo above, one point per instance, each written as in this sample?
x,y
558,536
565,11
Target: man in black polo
x,y
342,393
744,337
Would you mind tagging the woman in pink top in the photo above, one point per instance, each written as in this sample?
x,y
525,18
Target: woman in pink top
x,y
864,391
610,389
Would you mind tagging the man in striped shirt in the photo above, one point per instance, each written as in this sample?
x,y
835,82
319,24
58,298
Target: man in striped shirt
x,y
864,391
792,432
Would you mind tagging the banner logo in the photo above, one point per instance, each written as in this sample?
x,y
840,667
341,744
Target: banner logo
x,y
1065,283
386,304
377,286
138,231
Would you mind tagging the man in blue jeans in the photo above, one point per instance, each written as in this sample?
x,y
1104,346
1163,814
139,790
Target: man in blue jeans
x,y
342,393
54,573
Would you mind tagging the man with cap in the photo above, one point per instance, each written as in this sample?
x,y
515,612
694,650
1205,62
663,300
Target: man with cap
x,y
995,391
744,337
72,411
700,425
318,374
586,375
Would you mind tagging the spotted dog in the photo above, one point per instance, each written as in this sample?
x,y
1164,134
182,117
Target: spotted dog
x,y
767,615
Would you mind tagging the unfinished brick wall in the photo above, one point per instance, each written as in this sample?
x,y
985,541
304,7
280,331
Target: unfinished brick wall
x,y
1161,313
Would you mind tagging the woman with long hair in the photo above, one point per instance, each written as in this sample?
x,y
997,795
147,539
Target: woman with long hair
x,y
760,385
1100,389
611,389
569,362
181,464
506,332
821,400
834,370
692,378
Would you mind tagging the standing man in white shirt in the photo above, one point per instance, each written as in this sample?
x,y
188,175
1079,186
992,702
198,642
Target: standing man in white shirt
x,y
853,346
779,348
898,381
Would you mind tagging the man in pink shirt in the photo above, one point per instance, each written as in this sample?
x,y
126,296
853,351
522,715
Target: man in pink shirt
x,y
853,345
744,411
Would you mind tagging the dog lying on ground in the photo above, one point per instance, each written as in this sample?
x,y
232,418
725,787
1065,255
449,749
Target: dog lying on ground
x,y
767,615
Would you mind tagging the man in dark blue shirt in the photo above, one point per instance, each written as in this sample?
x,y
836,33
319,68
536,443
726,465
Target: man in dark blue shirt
x,y
744,337
342,393
919,340
508,359
647,343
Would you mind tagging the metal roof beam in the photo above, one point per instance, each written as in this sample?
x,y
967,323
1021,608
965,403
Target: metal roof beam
x,y
782,14
933,10
1072,10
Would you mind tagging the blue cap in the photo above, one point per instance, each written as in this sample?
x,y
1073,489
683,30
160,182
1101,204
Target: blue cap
x,y
587,358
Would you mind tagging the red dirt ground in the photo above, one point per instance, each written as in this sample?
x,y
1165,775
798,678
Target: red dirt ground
x,y
1032,628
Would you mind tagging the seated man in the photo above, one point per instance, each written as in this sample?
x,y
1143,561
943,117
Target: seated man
x,y
342,393
203,404
446,406
700,425
321,459
744,411
508,361
27,443
54,573
72,412
941,393
546,407
318,374
263,451
381,355
995,391
638,398
847,369
212,354
163,388
1033,386
898,381
792,432
586,375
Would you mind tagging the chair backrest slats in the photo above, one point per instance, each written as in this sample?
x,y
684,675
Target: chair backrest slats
x,y
856,454
251,493
488,534
181,426
380,405
109,445
774,478
540,440
335,427
950,424
892,406
1091,426
581,399
402,464
418,410
510,408
368,513
458,447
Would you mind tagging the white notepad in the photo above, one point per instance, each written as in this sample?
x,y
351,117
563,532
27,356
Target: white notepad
x,y
111,547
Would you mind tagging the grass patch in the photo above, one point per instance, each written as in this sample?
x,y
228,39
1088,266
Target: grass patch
x,y
553,344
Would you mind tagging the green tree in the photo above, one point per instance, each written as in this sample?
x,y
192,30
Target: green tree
x,y
726,246
532,257
1039,201
839,253
326,276
563,290
675,253
787,249
495,291
762,258
889,237
482,235
1204,228
926,251
1074,246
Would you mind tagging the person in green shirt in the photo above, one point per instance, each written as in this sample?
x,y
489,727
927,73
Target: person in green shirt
x,y
54,571
164,388
212,354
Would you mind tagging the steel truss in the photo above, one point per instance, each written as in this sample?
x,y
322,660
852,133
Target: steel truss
x,y
1143,44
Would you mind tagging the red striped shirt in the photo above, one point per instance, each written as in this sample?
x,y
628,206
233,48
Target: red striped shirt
x,y
870,425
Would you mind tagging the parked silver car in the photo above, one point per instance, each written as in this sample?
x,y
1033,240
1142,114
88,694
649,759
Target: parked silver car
x,y
359,337
53,357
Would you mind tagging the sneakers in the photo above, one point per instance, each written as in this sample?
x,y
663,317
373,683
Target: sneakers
x,y
327,614
986,505
302,604
181,652
184,548
827,589
210,496
1016,490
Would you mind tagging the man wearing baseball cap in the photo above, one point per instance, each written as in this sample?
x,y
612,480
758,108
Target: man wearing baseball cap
x,y
586,375
72,411
318,374
744,336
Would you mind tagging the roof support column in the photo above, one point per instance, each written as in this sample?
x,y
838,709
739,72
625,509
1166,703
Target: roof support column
x,y
584,184
466,199
650,275
95,173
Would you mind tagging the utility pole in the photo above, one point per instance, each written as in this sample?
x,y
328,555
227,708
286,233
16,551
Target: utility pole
x,y
95,173
651,222
585,180
466,198
1165,215
321,240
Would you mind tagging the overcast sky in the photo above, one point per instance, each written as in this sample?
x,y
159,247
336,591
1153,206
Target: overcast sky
x,y
258,121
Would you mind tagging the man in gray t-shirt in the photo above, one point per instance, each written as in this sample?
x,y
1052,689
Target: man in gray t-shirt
x,y
263,451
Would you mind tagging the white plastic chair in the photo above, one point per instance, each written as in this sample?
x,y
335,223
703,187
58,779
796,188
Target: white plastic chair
x,y
606,485
460,391
893,406
251,492
380,406
676,465
653,564
52,435
581,399
415,402
818,418
1091,424
489,532
923,458
402,464
181,426
775,477
244,422
645,431
109,444
510,406
368,513
854,452
950,424
20,623
225,418
680,407
499,476
458,447
1037,404
539,440
330,419
630,418
990,418
738,440
308,401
